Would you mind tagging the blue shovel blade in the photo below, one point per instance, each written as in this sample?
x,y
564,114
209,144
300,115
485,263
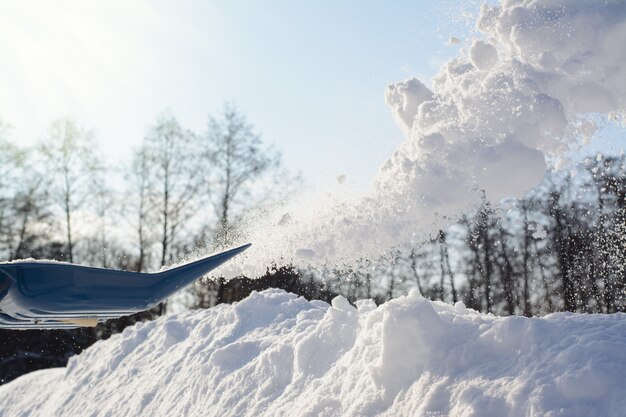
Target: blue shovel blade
x,y
60,295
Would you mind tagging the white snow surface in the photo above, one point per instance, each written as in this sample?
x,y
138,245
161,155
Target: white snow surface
x,y
275,354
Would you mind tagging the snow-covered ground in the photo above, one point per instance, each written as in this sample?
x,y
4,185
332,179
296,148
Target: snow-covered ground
x,y
274,354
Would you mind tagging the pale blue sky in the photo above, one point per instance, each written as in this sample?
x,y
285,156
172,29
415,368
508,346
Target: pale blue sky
x,y
309,75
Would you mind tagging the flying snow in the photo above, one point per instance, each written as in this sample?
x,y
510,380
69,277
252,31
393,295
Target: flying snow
x,y
528,90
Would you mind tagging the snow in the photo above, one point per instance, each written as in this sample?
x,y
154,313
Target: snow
x,y
540,233
483,55
276,354
530,86
33,261
518,94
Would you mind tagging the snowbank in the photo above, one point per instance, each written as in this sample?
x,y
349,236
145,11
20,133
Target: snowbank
x,y
274,354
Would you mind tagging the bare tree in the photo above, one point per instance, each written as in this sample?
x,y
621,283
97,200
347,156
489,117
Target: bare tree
x,y
239,161
170,154
30,213
138,193
507,274
481,241
446,269
526,260
70,159
20,196
10,162
103,201
609,183
414,257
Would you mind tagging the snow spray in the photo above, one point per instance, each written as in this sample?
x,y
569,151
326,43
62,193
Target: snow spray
x,y
528,89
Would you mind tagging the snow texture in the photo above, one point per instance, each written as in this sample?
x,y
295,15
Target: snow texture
x,y
274,354
493,114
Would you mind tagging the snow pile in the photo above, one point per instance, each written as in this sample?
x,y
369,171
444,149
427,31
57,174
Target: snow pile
x,y
531,88
274,354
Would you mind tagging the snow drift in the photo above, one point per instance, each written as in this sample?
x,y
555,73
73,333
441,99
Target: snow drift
x,y
531,87
274,354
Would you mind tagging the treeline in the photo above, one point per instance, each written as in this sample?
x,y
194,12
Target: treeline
x,y
561,248
179,189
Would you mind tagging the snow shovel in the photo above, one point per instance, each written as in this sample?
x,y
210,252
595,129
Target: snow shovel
x,y
55,295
